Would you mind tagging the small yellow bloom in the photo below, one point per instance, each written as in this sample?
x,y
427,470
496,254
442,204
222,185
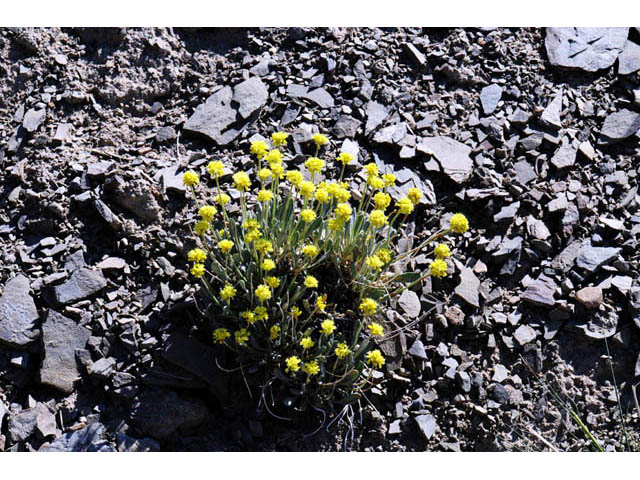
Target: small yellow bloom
x,y
459,223
414,195
273,157
333,189
250,223
259,148
321,303
216,169
322,195
320,139
345,158
314,164
261,313
310,251
371,170
249,316
265,196
375,358
389,179
342,350
263,293
197,270
264,246
295,312
222,199
306,343
268,265
279,139
274,332
438,268
225,245
442,251
220,335
382,200
335,224
264,173
308,215
376,182
201,227
343,211
328,326
241,181
368,306
405,206
343,194
374,262
311,368
277,170
228,292
197,255
375,329
252,235
293,364
207,212
294,177
190,178
384,255
378,218
306,189
310,281
272,282
242,336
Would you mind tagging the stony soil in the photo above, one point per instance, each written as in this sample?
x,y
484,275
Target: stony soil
x,y
101,337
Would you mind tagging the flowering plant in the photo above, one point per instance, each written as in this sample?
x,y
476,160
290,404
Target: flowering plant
x,y
301,274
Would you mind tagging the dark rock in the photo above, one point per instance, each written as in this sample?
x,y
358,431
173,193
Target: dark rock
x,y
469,287
524,172
452,156
417,57
346,127
61,337
213,117
22,425
500,394
592,258
634,303
250,95
82,284
618,126
540,292
18,314
489,97
136,196
88,439
130,444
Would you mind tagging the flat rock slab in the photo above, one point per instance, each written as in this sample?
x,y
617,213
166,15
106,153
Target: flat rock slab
x,y
551,115
18,313
426,426
88,439
489,98
83,283
618,126
22,425
629,59
590,297
564,157
589,49
592,258
410,303
250,95
540,292
524,334
33,119
61,337
452,156
376,114
469,287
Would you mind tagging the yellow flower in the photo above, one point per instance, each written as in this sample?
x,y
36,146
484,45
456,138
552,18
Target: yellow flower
x,y
250,224
252,235
384,255
320,139
322,195
259,148
274,332
265,196
268,265
216,169
197,255
335,224
459,223
264,173
414,195
405,206
311,368
374,262
333,189
249,316
376,182
197,270
382,200
375,329
279,139
310,251
328,326
375,358
306,343
368,306
294,177
295,312
342,350
277,170
311,282
228,292
438,268
343,194
241,181
207,212
378,218
220,335
345,158
321,303
293,364
371,169
272,282
273,157
225,245
201,227
308,215
242,336
442,251
263,293
306,189
343,211
222,199
264,246
190,178
261,313
314,164
389,179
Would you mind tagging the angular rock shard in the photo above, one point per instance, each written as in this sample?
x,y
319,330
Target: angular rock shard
x,y
452,156
18,314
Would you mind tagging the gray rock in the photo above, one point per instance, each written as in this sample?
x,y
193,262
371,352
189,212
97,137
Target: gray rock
x,y
61,337
469,287
63,132
129,444
137,196
410,303
250,95
166,134
565,259
22,425
112,263
452,156
464,380
88,439
551,114
213,117
524,334
416,55
346,127
524,172
629,59
392,134
564,157
500,394
601,325
46,422
489,97
508,212
590,297
537,228
352,147
320,97
18,314
634,304
618,126
102,368
376,114
592,258
82,284
500,373
426,426
33,119
589,49
540,292
417,350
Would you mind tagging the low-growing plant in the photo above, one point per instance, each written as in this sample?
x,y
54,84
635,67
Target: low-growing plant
x,y
301,274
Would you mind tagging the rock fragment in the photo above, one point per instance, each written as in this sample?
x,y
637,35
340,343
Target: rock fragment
x,y
410,303
540,292
590,297
33,119
250,95
629,59
452,156
83,283
18,313
565,157
592,258
524,334
618,126
490,97
468,288
88,439
426,426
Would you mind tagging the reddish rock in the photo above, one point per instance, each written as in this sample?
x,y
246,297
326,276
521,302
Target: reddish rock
x,y
590,297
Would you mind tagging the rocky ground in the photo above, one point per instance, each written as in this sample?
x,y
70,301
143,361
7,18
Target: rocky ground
x,y
532,134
